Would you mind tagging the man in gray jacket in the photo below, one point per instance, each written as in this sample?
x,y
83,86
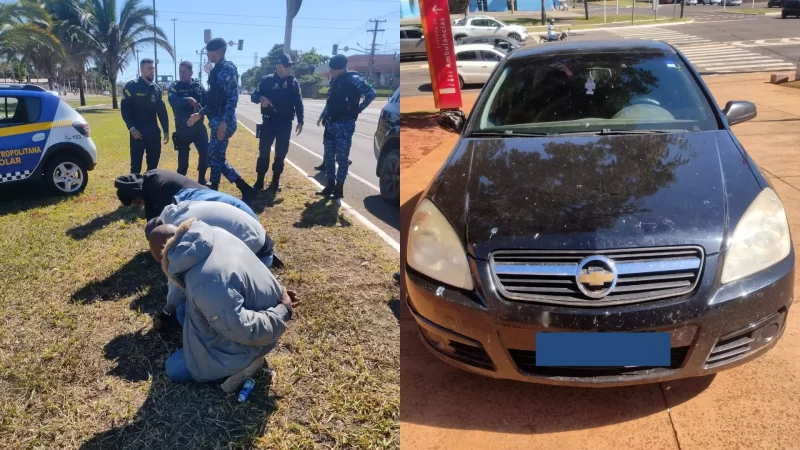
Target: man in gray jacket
x,y
235,310
217,214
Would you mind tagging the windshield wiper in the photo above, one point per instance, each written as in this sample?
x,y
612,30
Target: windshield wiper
x,y
507,133
610,132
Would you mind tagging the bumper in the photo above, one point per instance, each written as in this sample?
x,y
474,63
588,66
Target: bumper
x,y
713,329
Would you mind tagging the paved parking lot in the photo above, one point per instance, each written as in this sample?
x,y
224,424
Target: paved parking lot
x,y
755,406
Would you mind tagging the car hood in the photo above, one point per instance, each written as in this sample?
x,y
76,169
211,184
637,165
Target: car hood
x,y
594,193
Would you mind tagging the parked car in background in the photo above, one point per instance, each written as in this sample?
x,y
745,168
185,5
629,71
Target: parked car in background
x,y
412,42
387,150
597,193
778,3
43,140
475,62
483,25
791,8
499,42
690,2
710,2
732,2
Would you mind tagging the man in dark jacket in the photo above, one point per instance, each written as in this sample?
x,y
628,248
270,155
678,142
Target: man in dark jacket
x,y
141,104
155,189
235,309
186,96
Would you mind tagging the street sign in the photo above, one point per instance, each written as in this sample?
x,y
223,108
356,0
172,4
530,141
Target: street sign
x,y
346,48
207,68
441,53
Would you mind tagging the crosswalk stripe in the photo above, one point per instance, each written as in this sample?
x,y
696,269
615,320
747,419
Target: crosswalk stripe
x,y
711,61
722,51
735,66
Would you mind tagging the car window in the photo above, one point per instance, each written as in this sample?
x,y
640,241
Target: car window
x,y
19,110
470,55
402,34
460,22
479,23
492,23
414,34
593,92
486,55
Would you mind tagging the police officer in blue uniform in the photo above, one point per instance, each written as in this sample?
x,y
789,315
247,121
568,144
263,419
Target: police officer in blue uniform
x,y
280,99
341,111
141,104
221,101
186,96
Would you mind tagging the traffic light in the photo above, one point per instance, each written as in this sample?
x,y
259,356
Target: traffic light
x,y
335,47
241,43
207,35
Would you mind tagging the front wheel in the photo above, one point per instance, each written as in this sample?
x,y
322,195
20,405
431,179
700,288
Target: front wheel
x,y
459,39
390,177
67,175
460,82
515,37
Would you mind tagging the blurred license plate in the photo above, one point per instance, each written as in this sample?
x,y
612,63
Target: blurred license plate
x,y
585,349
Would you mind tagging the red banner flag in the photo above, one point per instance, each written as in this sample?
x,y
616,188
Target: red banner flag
x,y
441,53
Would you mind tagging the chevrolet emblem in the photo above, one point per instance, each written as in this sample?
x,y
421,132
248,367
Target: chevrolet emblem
x,y
595,276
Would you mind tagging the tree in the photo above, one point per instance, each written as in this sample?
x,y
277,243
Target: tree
x,y
544,13
458,6
118,37
25,30
586,8
304,68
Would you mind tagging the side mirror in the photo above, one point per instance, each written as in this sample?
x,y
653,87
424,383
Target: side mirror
x,y
452,120
739,111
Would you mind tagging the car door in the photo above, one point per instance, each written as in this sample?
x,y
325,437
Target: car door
x,y
493,26
478,27
468,63
22,137
489,60
415,42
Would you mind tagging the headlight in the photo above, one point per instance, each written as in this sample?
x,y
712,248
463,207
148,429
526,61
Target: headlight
x,y
434,248
761,238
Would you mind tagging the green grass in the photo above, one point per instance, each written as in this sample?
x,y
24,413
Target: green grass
x,y
91,100
378,92
80,365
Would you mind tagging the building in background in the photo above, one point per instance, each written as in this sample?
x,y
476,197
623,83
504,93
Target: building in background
x,y
385,69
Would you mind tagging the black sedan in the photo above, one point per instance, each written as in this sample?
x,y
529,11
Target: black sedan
x,y
599,224
778,3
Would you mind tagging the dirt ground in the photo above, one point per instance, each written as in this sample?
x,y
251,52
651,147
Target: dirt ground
x,y
754,406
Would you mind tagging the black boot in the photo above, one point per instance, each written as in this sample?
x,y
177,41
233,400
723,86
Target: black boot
x,y
248,193
338,192
275,186
328,191
214,186
259,182
320,167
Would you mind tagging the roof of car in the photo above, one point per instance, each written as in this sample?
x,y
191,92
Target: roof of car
x,y
20,87
610,46
468,47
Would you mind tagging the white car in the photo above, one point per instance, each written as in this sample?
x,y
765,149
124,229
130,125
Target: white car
x,y
482,25
476,62
732,2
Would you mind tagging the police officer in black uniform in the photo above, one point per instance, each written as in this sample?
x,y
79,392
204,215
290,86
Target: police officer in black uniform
x,y
280,99
186,96
141,104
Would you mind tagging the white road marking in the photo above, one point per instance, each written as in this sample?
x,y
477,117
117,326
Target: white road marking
x,y
386,238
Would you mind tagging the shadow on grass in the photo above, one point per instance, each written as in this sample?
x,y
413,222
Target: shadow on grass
x,y
323,212
179,415
394,305
125,213
140,274
26,196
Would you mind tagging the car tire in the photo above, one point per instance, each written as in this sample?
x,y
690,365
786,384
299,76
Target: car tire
x,y
460,83
515,37
783,15
390,177
63,171
459,38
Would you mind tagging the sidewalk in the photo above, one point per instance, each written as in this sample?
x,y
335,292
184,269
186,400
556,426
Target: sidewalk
x,y
754,406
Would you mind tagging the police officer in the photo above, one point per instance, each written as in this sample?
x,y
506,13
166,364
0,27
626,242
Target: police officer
x,y
186,97
340,114
221,100
141,103
280,98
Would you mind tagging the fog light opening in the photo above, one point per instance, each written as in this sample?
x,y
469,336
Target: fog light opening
x,y
769,332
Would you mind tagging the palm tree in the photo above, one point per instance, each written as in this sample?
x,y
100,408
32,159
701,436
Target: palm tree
x,y
118,37
25,31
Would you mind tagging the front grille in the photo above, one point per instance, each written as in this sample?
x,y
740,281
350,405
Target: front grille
x,y
526,362
551,276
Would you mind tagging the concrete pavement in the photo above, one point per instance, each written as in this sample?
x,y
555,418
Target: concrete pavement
x,y
755,406
361,189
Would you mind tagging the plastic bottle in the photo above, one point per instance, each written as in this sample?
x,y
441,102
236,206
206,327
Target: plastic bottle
x,y
247,388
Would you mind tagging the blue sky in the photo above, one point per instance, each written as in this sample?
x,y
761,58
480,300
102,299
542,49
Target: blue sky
x,y
319,24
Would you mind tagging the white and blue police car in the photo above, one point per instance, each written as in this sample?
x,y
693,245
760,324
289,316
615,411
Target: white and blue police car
x,y
42,139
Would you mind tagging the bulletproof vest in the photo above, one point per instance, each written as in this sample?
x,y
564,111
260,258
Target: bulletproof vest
x,y
282,95
216,94
343,98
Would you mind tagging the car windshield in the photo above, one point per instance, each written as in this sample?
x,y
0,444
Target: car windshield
x,y
460,22
594,92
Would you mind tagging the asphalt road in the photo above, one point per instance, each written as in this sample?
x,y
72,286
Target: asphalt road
x,y
361,188
716,42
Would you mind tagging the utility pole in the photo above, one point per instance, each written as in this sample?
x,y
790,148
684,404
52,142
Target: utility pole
x,y
255,59
155,46
138,65
292,8
372,49
175,46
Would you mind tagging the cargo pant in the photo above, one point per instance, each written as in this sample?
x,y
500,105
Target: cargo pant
x,y
197,135
336,141
150,143
280,132
216,153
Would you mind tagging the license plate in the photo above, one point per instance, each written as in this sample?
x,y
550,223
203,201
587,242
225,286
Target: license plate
x,y
587,349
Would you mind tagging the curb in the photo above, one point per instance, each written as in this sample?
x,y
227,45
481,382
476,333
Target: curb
x,y
751,14
653,25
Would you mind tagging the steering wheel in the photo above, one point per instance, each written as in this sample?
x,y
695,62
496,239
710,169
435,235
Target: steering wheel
x,y
645,101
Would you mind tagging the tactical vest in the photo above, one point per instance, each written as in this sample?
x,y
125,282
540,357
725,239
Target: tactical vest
x,y
343,98
216,94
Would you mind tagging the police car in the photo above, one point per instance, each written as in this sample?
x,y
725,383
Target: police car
x,y
387,150
43,139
